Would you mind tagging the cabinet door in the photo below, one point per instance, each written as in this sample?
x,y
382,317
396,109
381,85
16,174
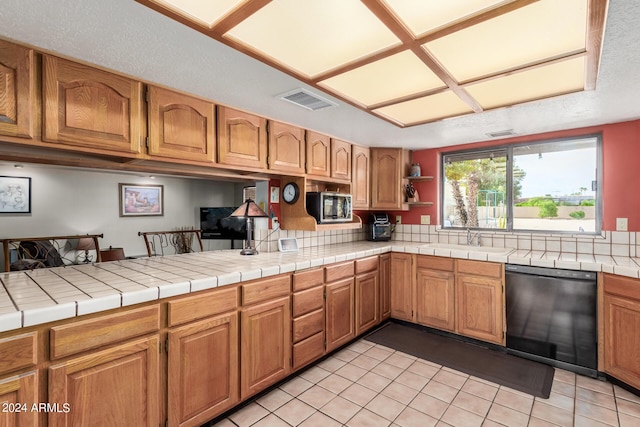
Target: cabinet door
x,y
17,90
318,154
203,370
479,305
360,177
384,275
340,160
242,139
17,395
90,108
339,307
621,340
181,127
286,148
118,386
401,302
266,345
388,167
367,304
434,293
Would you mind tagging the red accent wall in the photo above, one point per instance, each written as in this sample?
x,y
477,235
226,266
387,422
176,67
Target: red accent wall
x,y
621,172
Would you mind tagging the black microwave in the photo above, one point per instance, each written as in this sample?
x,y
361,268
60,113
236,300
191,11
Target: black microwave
x,y
328,207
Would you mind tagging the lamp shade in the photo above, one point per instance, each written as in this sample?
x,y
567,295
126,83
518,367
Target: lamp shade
x,y
85,244
249,209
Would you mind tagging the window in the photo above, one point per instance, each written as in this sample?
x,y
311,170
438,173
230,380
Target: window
x,y
547,186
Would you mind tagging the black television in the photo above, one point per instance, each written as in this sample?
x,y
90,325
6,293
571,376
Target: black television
x,y
216,223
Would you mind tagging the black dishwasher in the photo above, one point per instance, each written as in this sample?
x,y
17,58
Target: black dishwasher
x,y
551,316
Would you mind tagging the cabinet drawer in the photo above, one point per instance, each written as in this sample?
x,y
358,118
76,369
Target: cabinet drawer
x,y
309,300
338,271
308,325
480,268
435,263
307,279
199,306
623,286
308,350
266,289
365,265
18,352
101,331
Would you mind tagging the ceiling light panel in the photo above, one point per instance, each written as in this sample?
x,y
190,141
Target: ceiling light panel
x,y
542,82
390,78
311,37
426,109
541,30
205,13
425,16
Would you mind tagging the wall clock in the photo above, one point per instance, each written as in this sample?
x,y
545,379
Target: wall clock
x,y
290,192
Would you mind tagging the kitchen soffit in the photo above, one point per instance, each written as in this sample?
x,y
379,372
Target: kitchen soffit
x,y
414,62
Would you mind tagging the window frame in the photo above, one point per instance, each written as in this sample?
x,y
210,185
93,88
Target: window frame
x,y
508,149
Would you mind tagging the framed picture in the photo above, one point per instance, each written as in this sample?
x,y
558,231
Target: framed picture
x,y
15,194
275,195
141,200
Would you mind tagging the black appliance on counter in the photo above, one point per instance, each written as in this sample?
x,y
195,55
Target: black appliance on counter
x,y
378,227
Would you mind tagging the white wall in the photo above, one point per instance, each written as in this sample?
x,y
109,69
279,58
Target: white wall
x,y
67,201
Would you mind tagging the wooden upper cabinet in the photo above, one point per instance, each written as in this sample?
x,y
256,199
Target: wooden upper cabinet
x,y
388,166
90,108
286,148
340,159
318,154
242,139
16,90
181,127
360,177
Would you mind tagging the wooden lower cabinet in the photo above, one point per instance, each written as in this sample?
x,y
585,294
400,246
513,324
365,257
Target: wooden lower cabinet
x,y
401,293
384,276
479,307
435,302
265,349
366,299
203,374
18,394
621,326
339,306
116,386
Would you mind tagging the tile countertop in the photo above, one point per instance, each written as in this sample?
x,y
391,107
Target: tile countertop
x,y
35,297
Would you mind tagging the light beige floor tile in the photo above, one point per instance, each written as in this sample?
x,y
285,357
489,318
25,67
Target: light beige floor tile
x,y
335,383
537,422
563,388
552,414
443,424
490,423
595,397
514,401
340,409
318,419
450,379
594,384
365,362
581,421
387,371
440,391
626,395
458,417
423,369
274,399
315,374
507,416
248,415
271,421
359,394
514,391
628,407
317,396
596,412
295,412
429,405
366,418
386,407
559,401
482,380
412,380
480,389
346,355
400,392
564,376
374,381
296,386
361,346
412,418
351,372
378,353
400,360
628,421
332,364
472,403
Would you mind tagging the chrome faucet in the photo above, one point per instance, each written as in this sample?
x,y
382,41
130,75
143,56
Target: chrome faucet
x,y
470,238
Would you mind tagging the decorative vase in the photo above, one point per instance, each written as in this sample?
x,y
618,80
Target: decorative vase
x,y
415,170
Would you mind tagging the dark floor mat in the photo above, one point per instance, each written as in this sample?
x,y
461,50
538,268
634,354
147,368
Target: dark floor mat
x,y
511,371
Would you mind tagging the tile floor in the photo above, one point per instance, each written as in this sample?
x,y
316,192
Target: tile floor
x,y
370,385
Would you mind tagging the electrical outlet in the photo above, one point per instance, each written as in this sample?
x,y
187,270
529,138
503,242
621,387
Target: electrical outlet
x,y
621,224
425,219
398,219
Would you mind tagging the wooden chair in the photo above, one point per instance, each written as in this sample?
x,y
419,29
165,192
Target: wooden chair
x,y
181,240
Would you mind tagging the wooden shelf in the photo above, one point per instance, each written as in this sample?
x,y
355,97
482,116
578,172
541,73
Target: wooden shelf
x,y
419,178
420,204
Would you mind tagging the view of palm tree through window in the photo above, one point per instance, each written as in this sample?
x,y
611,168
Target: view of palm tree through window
x,y
542,186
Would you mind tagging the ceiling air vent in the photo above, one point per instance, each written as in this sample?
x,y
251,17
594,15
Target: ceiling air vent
x,y
306,99
501,133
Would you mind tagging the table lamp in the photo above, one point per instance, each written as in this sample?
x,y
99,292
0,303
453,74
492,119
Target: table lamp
x,y
249,210
86,244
